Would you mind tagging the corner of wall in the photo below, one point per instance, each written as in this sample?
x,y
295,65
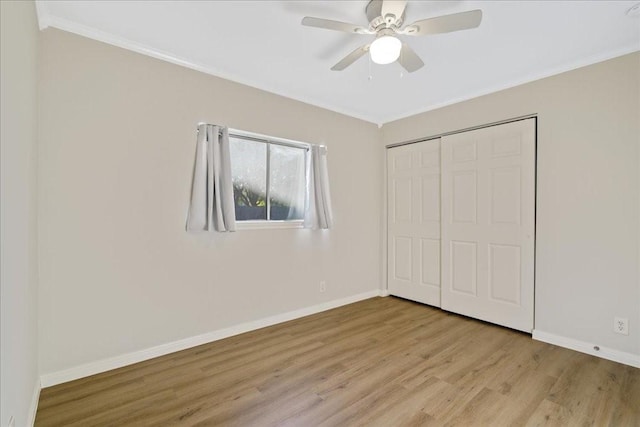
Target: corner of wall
x,y
33,407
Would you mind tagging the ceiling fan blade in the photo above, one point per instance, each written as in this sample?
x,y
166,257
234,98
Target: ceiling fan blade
x,y
328,24
445,24
351,58
393,7
409,60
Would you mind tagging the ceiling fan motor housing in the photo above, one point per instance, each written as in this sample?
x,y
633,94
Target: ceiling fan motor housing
x,y
374,15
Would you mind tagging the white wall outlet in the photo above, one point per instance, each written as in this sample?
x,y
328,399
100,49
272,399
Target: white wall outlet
x,y
621,325
12,422
323,286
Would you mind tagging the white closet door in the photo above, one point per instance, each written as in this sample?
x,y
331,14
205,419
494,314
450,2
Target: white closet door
x,y
488,209
414,221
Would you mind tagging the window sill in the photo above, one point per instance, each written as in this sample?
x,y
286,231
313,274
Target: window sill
x,y
268,225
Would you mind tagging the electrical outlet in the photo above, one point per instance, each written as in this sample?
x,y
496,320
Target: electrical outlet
x,y
323,286
621,325
12,422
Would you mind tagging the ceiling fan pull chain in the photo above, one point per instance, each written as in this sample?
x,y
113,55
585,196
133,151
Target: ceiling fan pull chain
x,y
370,78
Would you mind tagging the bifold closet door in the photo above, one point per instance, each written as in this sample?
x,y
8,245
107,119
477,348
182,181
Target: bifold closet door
x,y
488,222
413,219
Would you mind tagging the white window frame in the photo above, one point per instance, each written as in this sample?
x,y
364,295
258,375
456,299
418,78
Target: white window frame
x,y
269,223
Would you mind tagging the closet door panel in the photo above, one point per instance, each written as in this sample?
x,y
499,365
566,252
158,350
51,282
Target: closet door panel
x,y
488,221
413,226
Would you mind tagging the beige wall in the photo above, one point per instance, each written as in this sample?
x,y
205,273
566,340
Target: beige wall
x,y
118,271
18,229
588,192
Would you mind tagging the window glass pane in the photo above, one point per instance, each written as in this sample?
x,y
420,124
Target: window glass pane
x,y
249,174
287,182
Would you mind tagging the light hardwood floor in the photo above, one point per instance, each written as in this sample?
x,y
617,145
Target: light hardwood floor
x,y
379,362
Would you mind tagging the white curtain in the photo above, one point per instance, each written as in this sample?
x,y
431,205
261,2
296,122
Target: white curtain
x,y
212,206
318,205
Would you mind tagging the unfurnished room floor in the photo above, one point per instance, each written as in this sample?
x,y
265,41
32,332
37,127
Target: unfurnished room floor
x,y
383,361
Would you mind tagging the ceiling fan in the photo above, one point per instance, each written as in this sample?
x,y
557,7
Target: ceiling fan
x,y
385,22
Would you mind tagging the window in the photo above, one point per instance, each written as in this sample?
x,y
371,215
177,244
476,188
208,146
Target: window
x,y
269,179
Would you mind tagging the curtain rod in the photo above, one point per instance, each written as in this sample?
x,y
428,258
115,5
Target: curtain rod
x,y
263,138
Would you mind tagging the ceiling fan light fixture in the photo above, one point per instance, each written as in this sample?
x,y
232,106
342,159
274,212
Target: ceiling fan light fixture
x,y
385,50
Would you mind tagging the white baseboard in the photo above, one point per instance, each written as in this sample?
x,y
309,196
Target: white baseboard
x,y
33,408
108,364
588,348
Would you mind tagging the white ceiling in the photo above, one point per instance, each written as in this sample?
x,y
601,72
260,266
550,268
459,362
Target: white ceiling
x,y
262,44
